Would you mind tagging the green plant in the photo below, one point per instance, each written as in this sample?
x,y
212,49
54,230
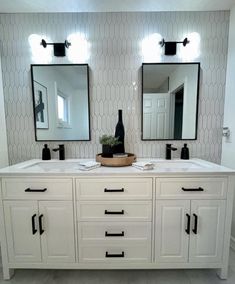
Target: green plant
x,y
109,140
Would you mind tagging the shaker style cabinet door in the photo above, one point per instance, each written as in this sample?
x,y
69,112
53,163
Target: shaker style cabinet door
x,y
57,231
172,230
22,232
207,229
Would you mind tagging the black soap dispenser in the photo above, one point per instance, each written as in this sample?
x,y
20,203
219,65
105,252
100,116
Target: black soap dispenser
x,y
46,154
185,152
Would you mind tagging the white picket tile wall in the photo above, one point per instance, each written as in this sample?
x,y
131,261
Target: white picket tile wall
x,y
115,78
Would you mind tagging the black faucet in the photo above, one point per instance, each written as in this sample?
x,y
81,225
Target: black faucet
x,y
169,148
61,151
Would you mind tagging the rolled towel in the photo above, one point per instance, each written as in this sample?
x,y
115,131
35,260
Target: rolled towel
x,y
143,165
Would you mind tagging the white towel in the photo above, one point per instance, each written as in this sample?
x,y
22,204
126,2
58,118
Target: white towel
x,y
143,165
89,165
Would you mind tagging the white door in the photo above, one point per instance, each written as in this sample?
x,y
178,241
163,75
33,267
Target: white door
x,y
57,231
156,116
207,227
21,220
172,230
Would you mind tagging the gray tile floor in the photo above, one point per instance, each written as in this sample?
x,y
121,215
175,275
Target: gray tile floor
x,y
202,276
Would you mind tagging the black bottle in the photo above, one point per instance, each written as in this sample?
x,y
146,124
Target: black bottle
x,y
185,152
46,154
120,132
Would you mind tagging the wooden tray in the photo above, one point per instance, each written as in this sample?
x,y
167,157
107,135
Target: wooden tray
x,y
116,162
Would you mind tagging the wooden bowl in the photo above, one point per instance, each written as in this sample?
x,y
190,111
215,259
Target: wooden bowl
x,y
117,161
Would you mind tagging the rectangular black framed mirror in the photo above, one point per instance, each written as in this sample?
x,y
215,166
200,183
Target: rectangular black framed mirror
x,y
61,102
170,93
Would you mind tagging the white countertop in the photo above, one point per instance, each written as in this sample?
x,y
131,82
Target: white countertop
x,y
161,168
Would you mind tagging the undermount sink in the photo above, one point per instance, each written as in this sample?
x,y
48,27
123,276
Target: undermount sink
x,y
47,166
178,164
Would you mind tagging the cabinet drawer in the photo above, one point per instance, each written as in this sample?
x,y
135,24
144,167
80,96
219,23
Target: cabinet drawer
x,y
109,189
137,251
196,188
114,210
111,232
36,188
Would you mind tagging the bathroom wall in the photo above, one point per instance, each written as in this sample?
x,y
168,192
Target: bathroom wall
x,y
115,78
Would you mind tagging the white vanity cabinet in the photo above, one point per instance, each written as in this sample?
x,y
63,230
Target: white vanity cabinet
x,y
116,218
40,229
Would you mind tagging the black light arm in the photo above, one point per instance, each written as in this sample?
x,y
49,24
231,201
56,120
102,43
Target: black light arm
x,y
59,48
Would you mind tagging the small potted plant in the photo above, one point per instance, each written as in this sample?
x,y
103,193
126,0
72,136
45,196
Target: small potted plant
x,y
108,142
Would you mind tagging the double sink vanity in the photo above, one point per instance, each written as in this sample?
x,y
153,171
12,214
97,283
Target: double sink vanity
x,y
55,216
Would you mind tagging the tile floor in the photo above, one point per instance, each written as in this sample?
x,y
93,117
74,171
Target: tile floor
x,y
121,276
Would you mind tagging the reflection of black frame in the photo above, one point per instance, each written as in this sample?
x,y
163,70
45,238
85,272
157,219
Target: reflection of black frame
x,y
34,103
41,106
142,95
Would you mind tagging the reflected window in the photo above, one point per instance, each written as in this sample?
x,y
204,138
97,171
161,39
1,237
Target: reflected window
x,y
63,109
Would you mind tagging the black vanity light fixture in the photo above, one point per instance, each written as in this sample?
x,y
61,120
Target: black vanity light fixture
x,y
170,46
59,48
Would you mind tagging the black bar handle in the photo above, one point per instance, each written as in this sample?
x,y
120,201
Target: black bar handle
x,y
40,224
195,224
192,189
35,190
106,212
34,230
114,234
187,230
114,190
107,254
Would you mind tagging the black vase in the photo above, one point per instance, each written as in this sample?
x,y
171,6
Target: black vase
x,y
120,133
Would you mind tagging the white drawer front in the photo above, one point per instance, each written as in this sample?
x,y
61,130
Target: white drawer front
x,y
114,232
196,188
37,188
110,189
114,210
137,251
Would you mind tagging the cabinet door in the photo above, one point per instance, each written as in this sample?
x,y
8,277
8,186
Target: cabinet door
x,y
57,231
171,239
23,241
206,242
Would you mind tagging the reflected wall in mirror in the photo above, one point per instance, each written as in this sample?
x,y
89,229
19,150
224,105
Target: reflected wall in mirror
x,y
170,101
61,102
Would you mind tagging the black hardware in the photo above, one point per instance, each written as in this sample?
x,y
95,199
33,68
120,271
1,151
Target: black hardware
x,y
188,224
114,212
59,48
61,151
35,190
195,224
40,224
169,148
170,46
192,189
34,231
114,235
114,255
114,190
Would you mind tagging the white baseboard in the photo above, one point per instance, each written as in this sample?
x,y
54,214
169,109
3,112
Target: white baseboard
x,y
232,243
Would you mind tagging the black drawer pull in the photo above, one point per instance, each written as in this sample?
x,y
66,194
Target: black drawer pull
x,y
114,255
40,224
187,230
114,212
195,224
34,230
114,235
35,190
192,189
114,190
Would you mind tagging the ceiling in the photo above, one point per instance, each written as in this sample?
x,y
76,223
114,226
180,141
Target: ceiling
x,y
35,6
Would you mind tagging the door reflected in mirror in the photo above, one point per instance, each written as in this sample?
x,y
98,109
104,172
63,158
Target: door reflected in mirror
x,y
61,102
170,101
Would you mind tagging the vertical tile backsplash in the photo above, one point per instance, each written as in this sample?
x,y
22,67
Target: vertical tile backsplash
x,y
115,78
